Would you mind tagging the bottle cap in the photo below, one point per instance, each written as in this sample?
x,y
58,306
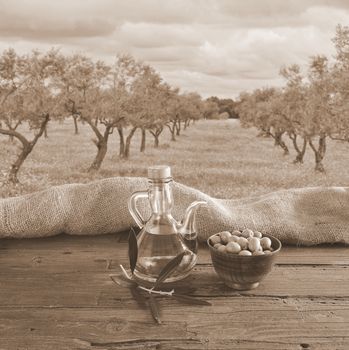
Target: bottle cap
x,y
159,172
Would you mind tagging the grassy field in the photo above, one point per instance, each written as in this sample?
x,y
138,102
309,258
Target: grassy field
x,y
217,157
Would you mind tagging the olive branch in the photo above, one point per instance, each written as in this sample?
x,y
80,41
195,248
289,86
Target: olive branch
x,y
126,279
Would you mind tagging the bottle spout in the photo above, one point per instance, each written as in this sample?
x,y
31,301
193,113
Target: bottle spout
x,y
187,225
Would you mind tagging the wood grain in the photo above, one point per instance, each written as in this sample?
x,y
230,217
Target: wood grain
x,y
55,293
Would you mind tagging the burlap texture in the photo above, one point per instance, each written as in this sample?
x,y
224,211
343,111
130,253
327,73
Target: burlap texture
x,y
305,216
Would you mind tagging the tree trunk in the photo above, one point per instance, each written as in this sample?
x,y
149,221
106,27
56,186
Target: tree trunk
x,y
300,155
12,176
284,147
186,123
121,141
156,133
279,141
300,151
27,147
142,149
172,128
101,143
128,143
45,132
156,141
102,146
76,129
178,127
319,153
319,166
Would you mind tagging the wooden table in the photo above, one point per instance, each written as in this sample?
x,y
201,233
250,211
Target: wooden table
x,y
56,293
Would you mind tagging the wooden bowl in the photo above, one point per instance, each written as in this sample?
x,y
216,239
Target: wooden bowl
x,y
243,272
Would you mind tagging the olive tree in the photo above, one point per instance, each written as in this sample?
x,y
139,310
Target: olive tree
x,y
28,96
211,109
97,94
146,101
193,108
86,90
151,97
173,112
263,109
160,118
317,114
293,101
126,71
183,108
340,97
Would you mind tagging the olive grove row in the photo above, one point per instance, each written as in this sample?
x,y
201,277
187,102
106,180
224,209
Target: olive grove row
x,y
124,97
310,109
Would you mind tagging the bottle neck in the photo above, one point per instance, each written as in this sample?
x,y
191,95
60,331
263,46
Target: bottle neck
x,y
160,197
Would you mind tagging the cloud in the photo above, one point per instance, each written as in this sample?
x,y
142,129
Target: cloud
x,y
275,12
217,47
84,18
155,35
50,19
48,30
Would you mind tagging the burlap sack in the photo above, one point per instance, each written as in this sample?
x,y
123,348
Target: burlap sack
x,y
299,216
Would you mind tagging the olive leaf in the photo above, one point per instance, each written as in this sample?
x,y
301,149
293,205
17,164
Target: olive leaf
x,y
190,300
132,249
168,269
154,308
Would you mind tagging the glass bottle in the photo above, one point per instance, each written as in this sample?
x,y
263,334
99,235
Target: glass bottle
x,y
162,238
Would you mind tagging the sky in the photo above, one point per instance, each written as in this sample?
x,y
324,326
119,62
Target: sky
x,y
215,47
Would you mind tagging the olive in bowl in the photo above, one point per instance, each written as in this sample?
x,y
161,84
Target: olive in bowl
x,y
243,259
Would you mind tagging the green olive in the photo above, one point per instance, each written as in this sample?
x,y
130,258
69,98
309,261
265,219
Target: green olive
x,y
233,238
245,252
233,247
247,233
225,235
265,243
254,244
215,239
243,242
222,248
258,252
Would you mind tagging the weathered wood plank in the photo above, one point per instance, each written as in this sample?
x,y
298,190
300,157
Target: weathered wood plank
x,y
67,259
112,248
108,259
87,288
55,293
283,281
248,322
62,241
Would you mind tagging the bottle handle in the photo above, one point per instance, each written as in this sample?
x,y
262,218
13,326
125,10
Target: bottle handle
x,y
132,207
